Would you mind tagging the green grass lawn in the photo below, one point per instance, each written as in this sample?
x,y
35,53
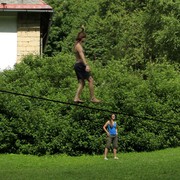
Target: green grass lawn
x,y
164,164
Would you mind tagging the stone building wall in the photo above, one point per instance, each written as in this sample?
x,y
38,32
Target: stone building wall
x,y
28,34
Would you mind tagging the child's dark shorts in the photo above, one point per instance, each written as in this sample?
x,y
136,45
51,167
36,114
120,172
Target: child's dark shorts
x,y
112,139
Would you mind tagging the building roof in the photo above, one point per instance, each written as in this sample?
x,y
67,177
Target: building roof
x,y
21,5
39,6
21,1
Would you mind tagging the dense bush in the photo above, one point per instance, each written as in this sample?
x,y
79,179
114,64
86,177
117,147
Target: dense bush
x,y
133,50
34,126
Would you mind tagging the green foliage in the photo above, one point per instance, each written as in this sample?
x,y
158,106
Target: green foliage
x,y
133,50
162,30
34,126
137,31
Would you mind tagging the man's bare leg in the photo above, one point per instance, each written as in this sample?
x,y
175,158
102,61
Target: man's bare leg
x,y
79,91
91,89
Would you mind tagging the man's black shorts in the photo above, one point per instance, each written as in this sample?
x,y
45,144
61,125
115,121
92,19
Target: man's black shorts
x,y
81,72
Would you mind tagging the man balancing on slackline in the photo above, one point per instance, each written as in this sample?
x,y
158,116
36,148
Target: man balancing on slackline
x,y
82,69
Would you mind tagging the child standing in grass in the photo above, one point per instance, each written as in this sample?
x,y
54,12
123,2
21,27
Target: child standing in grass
x,y
110,127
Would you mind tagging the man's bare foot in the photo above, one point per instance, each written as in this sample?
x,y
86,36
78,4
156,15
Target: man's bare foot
x,y
78,101
95,100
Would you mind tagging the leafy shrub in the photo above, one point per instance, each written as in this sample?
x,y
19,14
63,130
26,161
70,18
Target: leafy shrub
x,y
36,126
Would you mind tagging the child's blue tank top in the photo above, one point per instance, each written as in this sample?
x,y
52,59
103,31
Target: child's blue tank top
x,y
112,129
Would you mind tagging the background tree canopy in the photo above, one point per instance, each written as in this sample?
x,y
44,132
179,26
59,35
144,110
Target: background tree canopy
x,y
137,31
133,50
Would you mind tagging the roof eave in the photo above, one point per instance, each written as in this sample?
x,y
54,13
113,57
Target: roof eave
x,y
26,10
26,7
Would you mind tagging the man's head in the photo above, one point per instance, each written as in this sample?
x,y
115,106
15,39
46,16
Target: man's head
x,y
81,35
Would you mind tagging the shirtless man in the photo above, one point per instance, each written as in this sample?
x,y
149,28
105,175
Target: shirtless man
x,y
82,69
